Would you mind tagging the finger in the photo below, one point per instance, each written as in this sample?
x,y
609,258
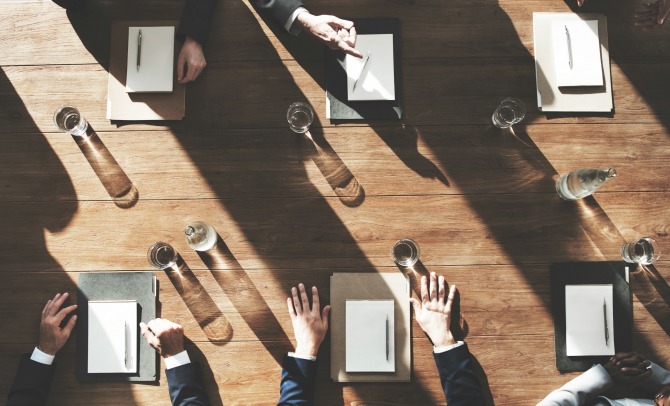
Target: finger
x,y
440,289
316,304
291,309
433,288
190,73
51,303
154,326
343,46
46,307
424,290
324,316
197,72
70,325
296,301
352,37
580,3
55,306
149,335
450,300
416,305
64,312
635,371
180,66
303,296
346,24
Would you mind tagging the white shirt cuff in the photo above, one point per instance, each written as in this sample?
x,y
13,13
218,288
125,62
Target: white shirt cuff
x,y
291,19
445,348
177,360
307,357
41,357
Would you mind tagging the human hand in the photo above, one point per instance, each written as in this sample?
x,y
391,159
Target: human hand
x,y
164,336
191,61
309,325
52,336
628,368
662,398
334,32
434,314
653,14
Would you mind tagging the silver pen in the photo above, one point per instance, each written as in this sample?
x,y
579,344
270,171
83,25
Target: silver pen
x,y
139,49
607,331
387,337
567,37
365,64
125,344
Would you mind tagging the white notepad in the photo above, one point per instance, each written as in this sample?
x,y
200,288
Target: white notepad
x,y
377,80
370,344
585,320
577,41
156,60
112,336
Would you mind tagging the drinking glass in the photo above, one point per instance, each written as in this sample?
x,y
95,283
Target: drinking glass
x,y
510,111
644,251
405,252
68,119
300,116
161,255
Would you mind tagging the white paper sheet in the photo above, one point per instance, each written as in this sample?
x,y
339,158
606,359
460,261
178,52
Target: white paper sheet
x,y
581,44
585,320
112,336
366,333
377,80
156,60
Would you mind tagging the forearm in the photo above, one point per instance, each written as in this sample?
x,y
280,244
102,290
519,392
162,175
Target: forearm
x,y
459,381
298,381
196,20
31,384
185,381
580,390
278,10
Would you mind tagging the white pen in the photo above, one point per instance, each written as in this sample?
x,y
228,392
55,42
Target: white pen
x,y
365,63
567,37
125,344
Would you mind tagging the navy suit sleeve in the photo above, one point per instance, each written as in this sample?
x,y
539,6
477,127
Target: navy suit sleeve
x,y
196,19
459,382
186,385
278,10
31,384
298,379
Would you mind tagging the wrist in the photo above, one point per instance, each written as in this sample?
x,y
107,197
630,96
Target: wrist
x,y
306,350
191,42
303,19
444,342
47,349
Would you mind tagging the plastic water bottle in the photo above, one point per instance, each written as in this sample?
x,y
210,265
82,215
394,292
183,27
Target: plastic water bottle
x,y
200,236
580,183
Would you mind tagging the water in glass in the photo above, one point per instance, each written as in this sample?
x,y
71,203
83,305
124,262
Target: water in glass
x,y
583,182
200,236
405,252
645,251
510,111
68,119
300,116
161,255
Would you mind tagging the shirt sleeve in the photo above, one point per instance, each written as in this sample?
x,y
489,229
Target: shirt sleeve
x,y
177,360
289,26
41,357
445,348
580,390
307,357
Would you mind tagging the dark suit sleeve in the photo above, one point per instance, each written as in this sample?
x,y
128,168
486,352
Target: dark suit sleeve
x,y
278,10
196,19
186,385
31,384
298,379
459,382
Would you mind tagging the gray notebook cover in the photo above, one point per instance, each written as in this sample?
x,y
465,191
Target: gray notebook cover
x,y
139,286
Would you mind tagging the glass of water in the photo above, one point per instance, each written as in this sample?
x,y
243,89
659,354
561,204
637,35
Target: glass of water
x,y
161,255
510,111
300,116
405,252
644,251
68,119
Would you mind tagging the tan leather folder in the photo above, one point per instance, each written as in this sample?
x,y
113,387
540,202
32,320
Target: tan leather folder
x,y
139,106
392,285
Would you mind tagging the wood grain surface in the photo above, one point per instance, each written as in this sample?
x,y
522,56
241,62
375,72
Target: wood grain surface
x,y
480,202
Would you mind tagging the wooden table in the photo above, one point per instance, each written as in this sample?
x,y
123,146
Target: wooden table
x,y
480,202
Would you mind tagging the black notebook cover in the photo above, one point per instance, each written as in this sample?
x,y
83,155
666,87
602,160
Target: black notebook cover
x,y
336,78
139,286
585,273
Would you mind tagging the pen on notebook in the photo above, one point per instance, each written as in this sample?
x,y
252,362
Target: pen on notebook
x,y
387,337
139,49
567,37
125,343
365,63
607,332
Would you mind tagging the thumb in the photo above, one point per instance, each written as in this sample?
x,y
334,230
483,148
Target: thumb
x,y
346,24
324,316
416,305
180,66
